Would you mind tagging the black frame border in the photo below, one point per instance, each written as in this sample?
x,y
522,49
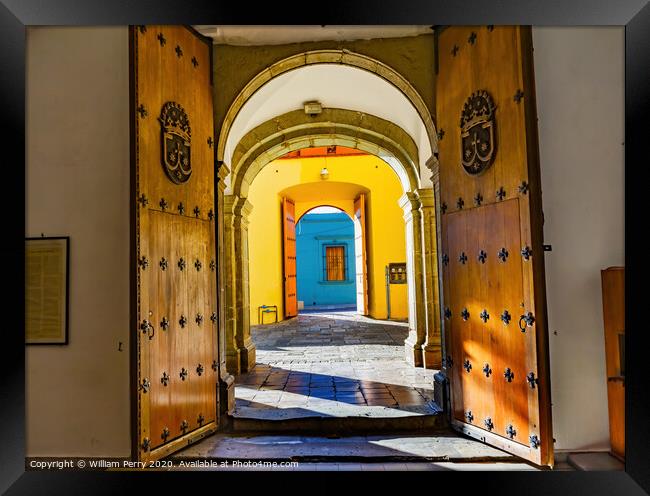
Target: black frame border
x,y
15,15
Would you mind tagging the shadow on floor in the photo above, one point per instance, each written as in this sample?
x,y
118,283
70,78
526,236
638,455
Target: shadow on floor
x,y
298,394
333,364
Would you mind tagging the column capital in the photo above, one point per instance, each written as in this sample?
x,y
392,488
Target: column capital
x,y
222,170
409,202
434,166
426,197
243,208
234,205
229,202
222,173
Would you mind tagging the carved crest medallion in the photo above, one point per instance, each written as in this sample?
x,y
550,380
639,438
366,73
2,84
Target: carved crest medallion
x,y
478,146
176,141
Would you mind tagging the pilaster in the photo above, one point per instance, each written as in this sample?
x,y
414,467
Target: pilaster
x,y
432,353
410,203
243,341
230,288
226,381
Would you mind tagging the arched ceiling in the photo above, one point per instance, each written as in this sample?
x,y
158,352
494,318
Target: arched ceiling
x,y
334,86
323,191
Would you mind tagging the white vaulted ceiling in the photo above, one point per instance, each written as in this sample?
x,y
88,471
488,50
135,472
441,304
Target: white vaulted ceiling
x,y
335,86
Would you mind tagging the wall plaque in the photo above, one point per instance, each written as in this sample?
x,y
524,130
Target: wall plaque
x,y
46,290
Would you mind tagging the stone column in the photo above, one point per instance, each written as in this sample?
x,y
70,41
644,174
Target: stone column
x,y
243,341
432,352
441,383
226,380
415,278
230,302
434,167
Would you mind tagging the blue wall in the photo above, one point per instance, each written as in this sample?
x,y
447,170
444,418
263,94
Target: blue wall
x,y
313,233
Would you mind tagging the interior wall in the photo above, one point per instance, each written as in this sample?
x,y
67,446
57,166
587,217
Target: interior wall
x,y
77,148
386,243
386,234
579,76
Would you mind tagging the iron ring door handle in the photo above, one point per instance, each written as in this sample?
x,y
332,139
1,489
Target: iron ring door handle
x,y
528,320
522,327
153,331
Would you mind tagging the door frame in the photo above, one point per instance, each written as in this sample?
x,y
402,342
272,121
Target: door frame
x,y
424,329
361,223
336,126
350,216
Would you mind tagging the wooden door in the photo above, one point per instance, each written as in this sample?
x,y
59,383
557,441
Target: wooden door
x,y
613,289
289,251
361,259
491,228
174,248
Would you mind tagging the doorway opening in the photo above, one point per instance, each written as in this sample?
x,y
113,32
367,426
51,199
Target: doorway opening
x,y
372,110
326,261
322,228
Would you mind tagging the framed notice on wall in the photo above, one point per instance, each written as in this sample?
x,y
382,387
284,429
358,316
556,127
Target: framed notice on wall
x,y
46,290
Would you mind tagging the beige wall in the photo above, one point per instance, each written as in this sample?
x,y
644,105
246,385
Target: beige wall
x,y
77,396
579,75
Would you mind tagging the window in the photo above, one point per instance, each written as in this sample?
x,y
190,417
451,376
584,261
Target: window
x,y
335,263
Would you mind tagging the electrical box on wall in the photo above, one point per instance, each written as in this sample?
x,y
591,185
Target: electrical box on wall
x,y
397,273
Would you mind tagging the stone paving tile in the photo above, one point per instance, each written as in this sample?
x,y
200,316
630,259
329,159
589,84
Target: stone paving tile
x,y
336,359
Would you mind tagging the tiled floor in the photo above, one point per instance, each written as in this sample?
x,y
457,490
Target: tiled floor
x,y
333,364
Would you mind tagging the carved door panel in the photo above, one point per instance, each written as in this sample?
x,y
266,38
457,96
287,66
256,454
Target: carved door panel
x,y
174,285
491,235
289,248
360,254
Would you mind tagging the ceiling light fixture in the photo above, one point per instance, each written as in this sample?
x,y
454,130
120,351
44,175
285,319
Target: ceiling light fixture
x,y
313,108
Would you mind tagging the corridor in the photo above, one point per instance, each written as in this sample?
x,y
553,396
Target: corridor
x,y
335,364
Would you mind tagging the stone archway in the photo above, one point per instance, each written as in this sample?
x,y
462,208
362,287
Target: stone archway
x,y
296,130
340,57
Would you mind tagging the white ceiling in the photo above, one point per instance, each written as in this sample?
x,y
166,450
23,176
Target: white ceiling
x,y
335,86
278,35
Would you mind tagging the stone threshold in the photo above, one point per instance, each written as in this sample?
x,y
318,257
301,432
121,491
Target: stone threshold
x,y
408,448
341,426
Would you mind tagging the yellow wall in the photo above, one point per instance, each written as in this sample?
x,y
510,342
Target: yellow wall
x,y
299,179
